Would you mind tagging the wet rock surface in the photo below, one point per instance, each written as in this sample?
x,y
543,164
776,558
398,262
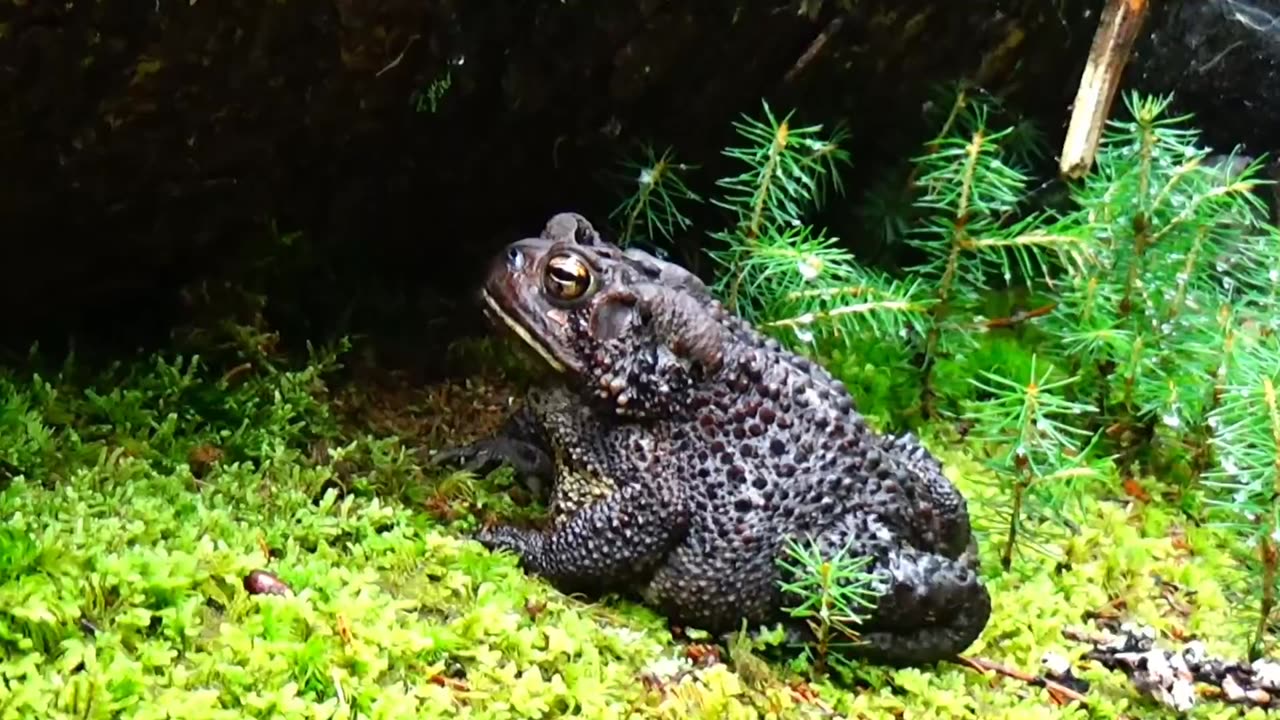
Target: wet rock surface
x,y
384,148
1222,60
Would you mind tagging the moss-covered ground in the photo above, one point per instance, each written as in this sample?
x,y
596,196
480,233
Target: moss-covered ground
x,y
137,501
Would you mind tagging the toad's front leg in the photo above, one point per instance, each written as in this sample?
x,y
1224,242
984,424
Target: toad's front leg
x,y
605,545
519,444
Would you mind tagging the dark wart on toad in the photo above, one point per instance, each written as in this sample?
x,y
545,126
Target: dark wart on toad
x,y
682,450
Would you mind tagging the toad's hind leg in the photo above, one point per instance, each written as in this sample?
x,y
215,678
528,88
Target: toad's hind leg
x,y
929,607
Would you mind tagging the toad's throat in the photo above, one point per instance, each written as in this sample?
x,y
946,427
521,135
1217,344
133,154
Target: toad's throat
x,y
522,333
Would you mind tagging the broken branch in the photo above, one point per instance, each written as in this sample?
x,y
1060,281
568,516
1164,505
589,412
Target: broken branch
x,y
1061,692
1112,43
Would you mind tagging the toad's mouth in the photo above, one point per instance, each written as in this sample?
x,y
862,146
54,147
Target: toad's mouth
x,y
515,326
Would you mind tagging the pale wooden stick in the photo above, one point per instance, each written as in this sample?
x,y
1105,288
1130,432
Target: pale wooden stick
x,y
1112,43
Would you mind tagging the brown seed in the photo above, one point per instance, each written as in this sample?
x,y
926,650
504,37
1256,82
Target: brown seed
x,y
202,458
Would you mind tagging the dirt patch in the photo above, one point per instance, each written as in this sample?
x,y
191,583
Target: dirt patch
x,y
430,415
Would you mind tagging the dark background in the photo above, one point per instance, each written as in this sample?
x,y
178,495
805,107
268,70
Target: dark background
x,y
149,149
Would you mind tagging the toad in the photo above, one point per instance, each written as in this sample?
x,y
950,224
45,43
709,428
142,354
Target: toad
x,y
681,450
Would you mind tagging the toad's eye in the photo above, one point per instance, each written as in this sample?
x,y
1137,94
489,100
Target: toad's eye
x,y
567,277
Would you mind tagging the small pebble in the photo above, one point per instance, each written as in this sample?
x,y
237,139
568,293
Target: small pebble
x,y
1267,673
1056,664
1231,689
1194,653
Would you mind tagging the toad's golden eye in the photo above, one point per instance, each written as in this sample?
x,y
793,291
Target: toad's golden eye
x,y
567,277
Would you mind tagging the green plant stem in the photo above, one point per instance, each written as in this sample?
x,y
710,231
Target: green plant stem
x,y
1140,220
766,180
1011,539
875,306
959,241
822,629
1266,546
758,207
1188,267
960,238
1131,378
1267,553
657,175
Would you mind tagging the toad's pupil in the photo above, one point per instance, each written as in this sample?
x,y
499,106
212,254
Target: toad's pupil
x,y
565,276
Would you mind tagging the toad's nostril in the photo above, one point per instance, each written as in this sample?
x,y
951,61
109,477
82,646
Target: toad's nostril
x,y
515,258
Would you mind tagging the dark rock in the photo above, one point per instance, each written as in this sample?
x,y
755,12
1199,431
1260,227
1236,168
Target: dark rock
x,y
1221,59
146,146
262,582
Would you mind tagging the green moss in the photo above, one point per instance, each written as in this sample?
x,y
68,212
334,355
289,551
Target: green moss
x,y
121,583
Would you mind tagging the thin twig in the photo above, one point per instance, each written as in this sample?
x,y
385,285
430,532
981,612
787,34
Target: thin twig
x,y
1084,637
1112,43
1060,692
814,48
1018,317
236,372
398,58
